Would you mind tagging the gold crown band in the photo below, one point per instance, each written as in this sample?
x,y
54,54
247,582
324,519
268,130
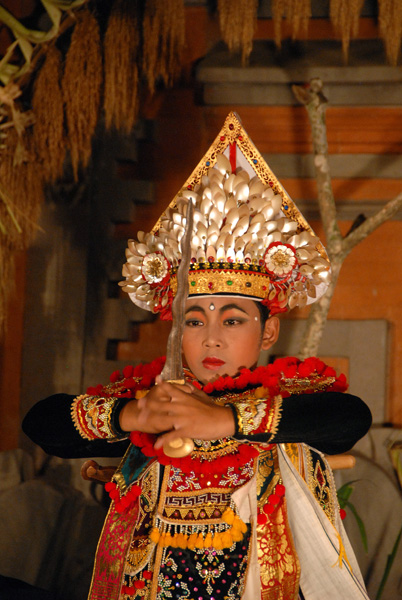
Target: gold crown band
x,y
213,281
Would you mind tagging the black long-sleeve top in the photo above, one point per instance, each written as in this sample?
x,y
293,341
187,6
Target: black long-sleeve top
x,y
331,422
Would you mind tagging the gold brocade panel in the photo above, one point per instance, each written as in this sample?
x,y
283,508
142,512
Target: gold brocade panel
x,y
279,564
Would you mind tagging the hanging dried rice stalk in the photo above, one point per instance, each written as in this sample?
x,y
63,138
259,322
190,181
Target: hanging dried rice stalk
x,y
345,15
164,35
237,20
47,104
390,20
297,13
81,86
121,50
21,196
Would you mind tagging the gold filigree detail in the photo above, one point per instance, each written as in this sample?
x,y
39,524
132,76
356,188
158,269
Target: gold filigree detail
x,y
279,564
239,281
319,478
268,469
298,385
91,416
293,452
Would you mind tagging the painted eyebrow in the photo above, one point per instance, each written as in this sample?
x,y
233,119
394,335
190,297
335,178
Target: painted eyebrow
x,y
233,305
197,308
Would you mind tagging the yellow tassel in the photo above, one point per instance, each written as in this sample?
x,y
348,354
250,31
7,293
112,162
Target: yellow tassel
x,y
239,525
208,541
227,539
155,535
342,554
161,541
217,541
192,540
237,535
228,516
169,540
181,540
200,541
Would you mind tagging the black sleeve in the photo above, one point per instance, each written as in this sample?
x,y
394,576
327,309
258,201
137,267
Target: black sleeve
x,y
49,424
328,421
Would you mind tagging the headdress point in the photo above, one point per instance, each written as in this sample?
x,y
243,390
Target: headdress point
x,y
249,238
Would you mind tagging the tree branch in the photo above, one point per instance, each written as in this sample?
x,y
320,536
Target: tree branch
x,y
369,225
337,247
316,104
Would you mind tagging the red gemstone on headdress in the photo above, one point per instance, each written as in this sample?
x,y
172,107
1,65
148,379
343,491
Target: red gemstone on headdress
x,y
210,259
261,262
264,287
240,137
231,126
210,285
222,138
193,260
247,260
271,183
189,187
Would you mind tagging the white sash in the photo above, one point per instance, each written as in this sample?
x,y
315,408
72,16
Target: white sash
x,y
318,544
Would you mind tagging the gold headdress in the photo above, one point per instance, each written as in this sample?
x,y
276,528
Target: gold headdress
x,y
249,238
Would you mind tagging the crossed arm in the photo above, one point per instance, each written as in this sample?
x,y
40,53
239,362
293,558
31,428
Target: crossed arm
x,y
177,411
329,421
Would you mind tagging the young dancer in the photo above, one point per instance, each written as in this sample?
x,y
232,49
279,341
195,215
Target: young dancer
x,y
251,512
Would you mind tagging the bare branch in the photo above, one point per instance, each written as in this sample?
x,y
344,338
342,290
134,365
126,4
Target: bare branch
x,y
316,103
370,224
338,248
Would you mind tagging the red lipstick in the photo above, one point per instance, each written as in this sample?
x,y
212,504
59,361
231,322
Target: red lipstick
x,y
211,362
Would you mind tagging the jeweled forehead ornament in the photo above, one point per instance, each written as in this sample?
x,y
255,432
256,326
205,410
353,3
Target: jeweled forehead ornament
x,y
249,238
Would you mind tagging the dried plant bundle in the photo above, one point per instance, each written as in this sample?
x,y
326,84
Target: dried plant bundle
x,y
296,12
237,21
163,42
47,104
390,21
81,86
121,51
345,15
21,196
